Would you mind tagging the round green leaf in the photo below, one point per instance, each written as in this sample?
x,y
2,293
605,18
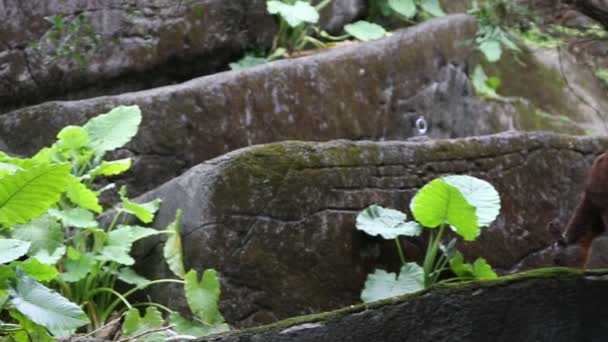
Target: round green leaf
x,y
73,137
406,8
479,194
365,31
439,203
295,14
381,284
491,49
388,223
432,7
114,129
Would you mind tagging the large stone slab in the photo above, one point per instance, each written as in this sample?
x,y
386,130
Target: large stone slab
x,y
550,305
374,90
143,44
278,220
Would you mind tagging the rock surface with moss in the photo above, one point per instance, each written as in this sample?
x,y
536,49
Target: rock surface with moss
x,y
278,219
373,90
546,305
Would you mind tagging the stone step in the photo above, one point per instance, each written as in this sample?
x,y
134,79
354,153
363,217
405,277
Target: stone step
x,y
551,305
141,45
277,220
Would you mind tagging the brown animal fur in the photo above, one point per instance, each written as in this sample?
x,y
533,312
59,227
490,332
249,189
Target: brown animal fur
x,y
590,217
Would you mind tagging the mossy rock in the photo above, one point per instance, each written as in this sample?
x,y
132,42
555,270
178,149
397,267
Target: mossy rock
x,y
278,220
544,305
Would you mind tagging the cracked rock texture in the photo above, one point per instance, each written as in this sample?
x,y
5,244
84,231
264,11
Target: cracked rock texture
x,y
144,43
277,220
540,306
377,92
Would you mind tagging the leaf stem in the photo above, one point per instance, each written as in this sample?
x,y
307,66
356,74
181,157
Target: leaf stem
x,y
400,251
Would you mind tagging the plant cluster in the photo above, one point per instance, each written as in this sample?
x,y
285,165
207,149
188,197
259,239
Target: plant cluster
x,y
299,29
462,204
73,39
411,11
52,239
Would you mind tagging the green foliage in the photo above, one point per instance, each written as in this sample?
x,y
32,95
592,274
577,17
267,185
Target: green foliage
x,y
172,250
536,37
485,86
365,31
409,10
203,297
602,74
388,223
479,270
11,249
73,39
135,325
439,203
493,35
44,306
381,284
463,203
113,130
28,193
47,206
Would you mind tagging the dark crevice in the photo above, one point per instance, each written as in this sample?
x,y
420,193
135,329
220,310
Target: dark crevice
x,y
176,70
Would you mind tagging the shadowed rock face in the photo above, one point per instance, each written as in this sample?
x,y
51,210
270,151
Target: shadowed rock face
x,y
278,220
373,91
597,9
143,44
540,306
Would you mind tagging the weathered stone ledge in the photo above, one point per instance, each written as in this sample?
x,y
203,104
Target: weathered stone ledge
x,y
544,305
372,90
277,220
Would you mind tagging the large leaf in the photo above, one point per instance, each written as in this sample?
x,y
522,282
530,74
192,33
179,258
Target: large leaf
x,y
381,284
203,297
172,250
73,138
27,194
44,233
194,328
483,85
144,212
406,8
44,306
77,266
119,242
365,31
49,257
37,270
294,15
439,203
114,129
491,49
129,276
479,194
112,168
30,331
75,217
432,7
388,223
11,249
135,324
82,196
